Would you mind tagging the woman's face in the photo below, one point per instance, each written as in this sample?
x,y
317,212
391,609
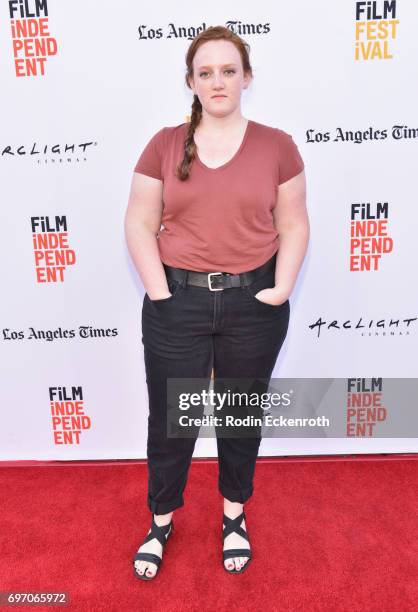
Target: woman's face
x,y
218,77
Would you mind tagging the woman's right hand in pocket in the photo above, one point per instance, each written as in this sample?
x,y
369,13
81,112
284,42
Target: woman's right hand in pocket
x,y
160,297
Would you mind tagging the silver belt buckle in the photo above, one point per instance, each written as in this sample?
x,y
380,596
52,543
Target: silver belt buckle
x,y
210,281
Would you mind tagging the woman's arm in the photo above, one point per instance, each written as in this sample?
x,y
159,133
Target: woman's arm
x,y
142,224
291,221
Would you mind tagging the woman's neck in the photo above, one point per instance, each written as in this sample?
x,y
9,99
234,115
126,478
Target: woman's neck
x,y
209,124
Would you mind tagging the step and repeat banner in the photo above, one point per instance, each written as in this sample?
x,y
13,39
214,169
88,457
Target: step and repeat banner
x,y
85,84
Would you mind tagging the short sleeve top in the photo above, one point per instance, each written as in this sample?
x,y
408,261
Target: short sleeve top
x,y
220,219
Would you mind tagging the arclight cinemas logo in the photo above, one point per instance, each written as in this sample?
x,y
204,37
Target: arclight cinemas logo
x,y
365,326
369,239
31,40
54,153
376,28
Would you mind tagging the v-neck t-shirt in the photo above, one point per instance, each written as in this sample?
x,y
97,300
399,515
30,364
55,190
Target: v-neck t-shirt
x,y
220,219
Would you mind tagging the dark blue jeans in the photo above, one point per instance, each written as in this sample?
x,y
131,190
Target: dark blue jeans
x,y
185,336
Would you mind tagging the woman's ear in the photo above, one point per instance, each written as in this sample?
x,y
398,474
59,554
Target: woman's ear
x,y
191,83
247,79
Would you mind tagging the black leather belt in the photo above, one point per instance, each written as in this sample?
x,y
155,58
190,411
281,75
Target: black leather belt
x,y
217,281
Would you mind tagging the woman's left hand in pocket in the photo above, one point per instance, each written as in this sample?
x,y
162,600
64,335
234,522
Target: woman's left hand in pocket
x,y
271,296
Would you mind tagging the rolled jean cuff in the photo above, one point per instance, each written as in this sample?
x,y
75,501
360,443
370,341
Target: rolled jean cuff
x,y
236,495
164,507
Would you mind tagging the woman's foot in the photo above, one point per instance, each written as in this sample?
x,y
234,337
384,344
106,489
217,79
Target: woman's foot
x,y
234,540
153,546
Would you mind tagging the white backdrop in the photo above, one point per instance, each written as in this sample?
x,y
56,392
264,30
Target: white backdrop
x,y
117,77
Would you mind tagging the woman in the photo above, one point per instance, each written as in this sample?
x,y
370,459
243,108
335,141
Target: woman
x,y
217,284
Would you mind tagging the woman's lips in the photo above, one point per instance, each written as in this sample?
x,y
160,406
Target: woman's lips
x,y
215,97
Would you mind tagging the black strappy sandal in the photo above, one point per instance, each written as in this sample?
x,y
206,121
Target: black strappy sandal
x,y
230,526
161,534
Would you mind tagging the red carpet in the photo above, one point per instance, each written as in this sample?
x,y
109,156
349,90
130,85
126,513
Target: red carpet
x,y
327,535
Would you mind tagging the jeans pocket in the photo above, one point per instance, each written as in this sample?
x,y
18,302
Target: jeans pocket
x,y
174,287
264,282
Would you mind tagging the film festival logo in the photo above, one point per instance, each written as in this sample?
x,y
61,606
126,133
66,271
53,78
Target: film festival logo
x,y
376,28
369,239
364,406
51,249
31,39
68,418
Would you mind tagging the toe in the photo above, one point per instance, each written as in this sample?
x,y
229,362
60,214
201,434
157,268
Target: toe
x,y
229,564
151,570
237,563
138,567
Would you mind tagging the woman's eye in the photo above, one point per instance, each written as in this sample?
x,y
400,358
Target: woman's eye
x,y
202,74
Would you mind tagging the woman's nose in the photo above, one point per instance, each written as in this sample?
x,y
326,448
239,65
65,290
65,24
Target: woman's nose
x,y
218,80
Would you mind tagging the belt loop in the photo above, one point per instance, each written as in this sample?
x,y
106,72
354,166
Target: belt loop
x,y
242,280
184,280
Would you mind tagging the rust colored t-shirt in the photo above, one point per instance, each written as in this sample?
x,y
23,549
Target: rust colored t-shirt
x,y
220,219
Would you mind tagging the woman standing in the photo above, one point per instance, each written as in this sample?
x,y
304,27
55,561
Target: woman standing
x,y
211,202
